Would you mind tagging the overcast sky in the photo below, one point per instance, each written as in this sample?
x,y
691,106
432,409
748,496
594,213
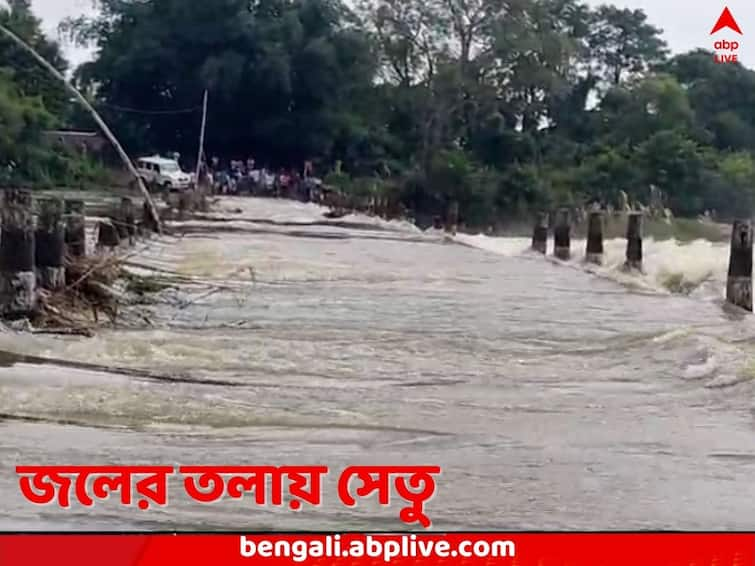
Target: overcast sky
x,y
686,23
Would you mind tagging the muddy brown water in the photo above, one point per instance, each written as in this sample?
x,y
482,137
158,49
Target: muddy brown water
x,y
552,397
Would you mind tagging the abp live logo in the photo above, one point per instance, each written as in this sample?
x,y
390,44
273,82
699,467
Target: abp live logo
x,y
726,51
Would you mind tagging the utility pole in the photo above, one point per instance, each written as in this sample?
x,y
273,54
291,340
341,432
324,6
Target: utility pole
x,y
201,138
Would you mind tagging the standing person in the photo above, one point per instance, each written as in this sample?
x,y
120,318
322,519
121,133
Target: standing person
x,y
270,181
212,173
234,177
254,176
202,177
217,182
298,187
276,185
207,177
265,181
284,183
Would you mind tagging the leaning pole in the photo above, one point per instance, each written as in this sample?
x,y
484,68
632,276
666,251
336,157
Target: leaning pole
x,y
100,122
201,138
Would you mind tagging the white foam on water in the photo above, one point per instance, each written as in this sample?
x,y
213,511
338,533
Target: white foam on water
x,y
669,266
276,210
510,247
674,267
700,371
672,335
392,225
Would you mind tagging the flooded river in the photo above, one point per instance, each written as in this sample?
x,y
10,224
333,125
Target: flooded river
x,y
552,397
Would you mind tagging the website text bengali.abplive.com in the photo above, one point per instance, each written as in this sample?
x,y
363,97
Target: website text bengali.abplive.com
x,y
374,546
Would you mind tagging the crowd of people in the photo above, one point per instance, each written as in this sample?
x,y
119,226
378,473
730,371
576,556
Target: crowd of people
x,y
244,177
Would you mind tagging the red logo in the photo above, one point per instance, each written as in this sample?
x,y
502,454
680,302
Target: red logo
x,y
725,50
726,21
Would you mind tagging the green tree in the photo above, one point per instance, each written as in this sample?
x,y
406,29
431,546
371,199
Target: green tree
x,y
539,49
731,189
283,75
722,97
624,44
629,114
30,78
22,120
675,164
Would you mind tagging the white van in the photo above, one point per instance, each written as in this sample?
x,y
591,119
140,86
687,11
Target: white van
x,y
164,173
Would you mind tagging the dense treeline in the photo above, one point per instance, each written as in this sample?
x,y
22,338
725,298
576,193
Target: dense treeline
x,y
504,105
31,101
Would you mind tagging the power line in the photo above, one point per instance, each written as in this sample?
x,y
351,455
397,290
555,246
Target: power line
x,y
150,112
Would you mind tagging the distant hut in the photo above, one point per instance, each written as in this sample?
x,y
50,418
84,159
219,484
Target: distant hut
x,y
88,143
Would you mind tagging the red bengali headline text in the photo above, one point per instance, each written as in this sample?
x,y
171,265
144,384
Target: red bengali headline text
x,y
298,485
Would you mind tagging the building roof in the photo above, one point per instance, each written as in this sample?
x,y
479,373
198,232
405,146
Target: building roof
x,y
72,133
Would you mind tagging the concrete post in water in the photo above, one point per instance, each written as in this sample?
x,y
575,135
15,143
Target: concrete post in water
x,y
17,278
739,282
595,238
119,221
384,209
452,220
540,235
50,245
634,241
562,235
128,220
147,221
107,235
185,204
76,234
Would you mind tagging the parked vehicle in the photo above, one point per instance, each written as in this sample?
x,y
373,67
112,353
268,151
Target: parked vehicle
x,y
164,173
